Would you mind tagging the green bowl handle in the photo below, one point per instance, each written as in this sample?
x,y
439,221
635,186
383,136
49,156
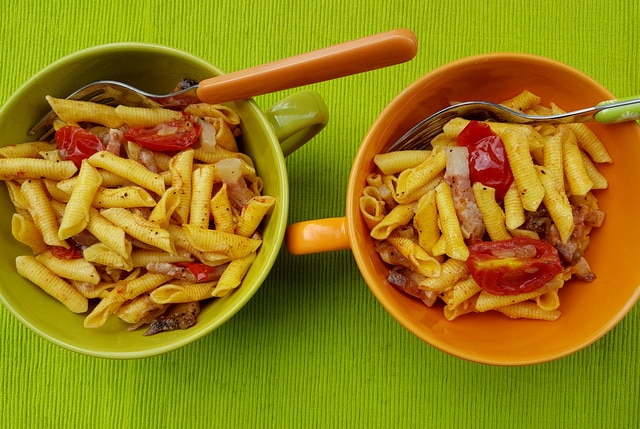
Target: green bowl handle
x,y
297,118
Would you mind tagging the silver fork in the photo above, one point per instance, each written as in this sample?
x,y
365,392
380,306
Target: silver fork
x,y
344,59
113,93
606,112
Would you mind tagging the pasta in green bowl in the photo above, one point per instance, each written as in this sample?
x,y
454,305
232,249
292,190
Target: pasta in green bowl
x,y
136,216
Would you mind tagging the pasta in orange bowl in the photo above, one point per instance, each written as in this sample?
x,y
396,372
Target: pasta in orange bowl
x,y
494,217
588,309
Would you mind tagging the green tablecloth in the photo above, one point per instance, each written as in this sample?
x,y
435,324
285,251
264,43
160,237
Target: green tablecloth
x,y
313,348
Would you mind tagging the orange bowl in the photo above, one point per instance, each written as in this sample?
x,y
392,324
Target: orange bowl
x,y
589,310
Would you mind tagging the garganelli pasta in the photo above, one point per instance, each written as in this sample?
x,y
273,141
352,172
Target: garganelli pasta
x,y
495,217
139,213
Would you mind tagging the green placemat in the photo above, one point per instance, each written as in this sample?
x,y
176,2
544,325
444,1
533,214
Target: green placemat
x,y
313,348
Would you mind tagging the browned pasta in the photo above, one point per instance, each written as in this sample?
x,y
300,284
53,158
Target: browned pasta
x,y
42,212
528,310
106,306
77,269
31,269
180,168
231,245
140,310
26,232
414,178
523,101
140,228
129,170
33,168
252,214
171,293
73,112
26,150
232,276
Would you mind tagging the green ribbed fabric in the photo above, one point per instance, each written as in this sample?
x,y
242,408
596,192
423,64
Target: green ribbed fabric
x,y
313,348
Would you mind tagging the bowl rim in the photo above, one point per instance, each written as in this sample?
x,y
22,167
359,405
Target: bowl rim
x,y
114,47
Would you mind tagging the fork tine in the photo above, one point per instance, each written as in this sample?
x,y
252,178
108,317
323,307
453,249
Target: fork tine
x,y
419,137
105,92
87,93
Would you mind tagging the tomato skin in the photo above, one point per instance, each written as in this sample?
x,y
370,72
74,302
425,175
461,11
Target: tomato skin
x,y
199,270
75,144
488,163
170,136
73,252
473,132
507,267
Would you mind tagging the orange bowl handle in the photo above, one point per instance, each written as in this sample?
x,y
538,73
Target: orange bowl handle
x,y
315,236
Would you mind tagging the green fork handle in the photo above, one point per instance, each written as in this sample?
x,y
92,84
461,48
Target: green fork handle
x,y
618,110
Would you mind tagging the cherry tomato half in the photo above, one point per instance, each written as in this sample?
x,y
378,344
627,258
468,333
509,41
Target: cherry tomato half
x,y
488,163
76,144
514,266
170,136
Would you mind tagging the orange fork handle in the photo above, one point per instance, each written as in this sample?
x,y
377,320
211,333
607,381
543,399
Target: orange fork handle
x,y
348,58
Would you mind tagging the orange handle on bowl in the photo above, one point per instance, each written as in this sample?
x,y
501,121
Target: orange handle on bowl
x,y
356,56
315,236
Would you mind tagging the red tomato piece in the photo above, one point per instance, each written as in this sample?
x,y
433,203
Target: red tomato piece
x,y
199,270
473,132
488,163
170,136
73,252
514,266
75,144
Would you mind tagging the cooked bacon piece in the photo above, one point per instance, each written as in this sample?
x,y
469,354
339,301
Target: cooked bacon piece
x,y
590,216
184,273
179,316
181,273
410,287
538,221
113,141
230,171
569,252
457,177
582,270
585,219
149,318
147,158
390,255
85,239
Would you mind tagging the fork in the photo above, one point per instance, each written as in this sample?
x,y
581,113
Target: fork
x,y
607,112
344,59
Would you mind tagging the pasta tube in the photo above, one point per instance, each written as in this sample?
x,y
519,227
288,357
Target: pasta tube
x,y
524,172
210,240
29,268
31,168
128,169
76,214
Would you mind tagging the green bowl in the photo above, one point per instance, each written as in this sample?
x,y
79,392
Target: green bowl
x,y
156,69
